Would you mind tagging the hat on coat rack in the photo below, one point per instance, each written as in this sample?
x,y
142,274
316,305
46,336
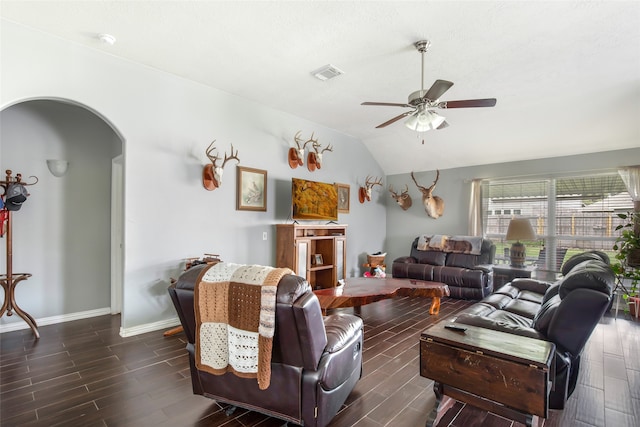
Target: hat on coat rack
x,y
16,195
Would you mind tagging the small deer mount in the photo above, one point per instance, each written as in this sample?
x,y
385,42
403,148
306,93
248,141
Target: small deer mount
x,y
212,173
314,159
364,193
295,156
403,199
433,205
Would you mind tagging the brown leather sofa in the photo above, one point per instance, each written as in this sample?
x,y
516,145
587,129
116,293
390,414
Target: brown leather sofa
x,y
316,361
468,276
564,312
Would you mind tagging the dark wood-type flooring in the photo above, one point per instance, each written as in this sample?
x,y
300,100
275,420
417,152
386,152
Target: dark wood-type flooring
x,y
83,373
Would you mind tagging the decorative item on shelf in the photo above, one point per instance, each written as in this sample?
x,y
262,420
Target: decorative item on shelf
x,y
519,229
57,167
364,193
403,199
433,205
212,173
314,159
344,195
209,259
317,260
295,156
251,193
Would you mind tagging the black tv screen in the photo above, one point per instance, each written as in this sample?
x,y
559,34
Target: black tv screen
x,y
314,200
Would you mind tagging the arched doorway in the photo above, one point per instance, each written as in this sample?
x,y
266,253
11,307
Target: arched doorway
x,y
63,233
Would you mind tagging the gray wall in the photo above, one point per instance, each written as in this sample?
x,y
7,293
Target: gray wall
x,y
166,123
454,186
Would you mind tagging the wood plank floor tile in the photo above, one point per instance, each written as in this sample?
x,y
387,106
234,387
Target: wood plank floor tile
x,y
83,373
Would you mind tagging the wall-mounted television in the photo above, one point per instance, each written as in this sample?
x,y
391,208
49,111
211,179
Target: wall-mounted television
x,y
313,200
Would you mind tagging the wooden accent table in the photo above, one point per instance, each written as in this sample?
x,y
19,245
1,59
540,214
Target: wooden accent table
x,y
360,291
503,274
502,373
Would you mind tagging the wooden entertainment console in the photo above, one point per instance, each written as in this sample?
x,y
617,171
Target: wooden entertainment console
x,y
315,252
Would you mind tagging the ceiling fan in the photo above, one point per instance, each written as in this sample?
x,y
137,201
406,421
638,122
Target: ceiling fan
x,y
422,117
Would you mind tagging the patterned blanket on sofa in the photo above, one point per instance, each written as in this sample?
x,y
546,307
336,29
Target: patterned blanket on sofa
x,y
235,309
456,244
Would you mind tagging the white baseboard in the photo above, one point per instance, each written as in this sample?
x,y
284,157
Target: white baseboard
x,y
149,327
16,326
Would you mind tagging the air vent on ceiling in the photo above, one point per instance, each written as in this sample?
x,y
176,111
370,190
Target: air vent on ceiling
x,y
327,72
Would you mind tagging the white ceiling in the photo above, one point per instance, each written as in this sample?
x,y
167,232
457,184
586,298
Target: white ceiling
x,y
566,74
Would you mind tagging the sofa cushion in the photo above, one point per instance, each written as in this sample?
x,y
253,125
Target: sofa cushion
x,y
524,308
462,260
501,316
591,274
581,257
431,257
544,316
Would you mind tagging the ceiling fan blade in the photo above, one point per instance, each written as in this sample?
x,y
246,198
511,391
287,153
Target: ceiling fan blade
x,y
395,119
443,125
386,104
488,102
437,89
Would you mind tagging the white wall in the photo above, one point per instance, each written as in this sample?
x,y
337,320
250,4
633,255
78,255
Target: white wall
x,y
166,123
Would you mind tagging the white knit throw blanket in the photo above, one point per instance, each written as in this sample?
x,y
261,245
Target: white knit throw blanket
x,y
235,309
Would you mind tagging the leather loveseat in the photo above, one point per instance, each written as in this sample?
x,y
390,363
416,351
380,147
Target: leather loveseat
x,y
564,312
468,275
316,361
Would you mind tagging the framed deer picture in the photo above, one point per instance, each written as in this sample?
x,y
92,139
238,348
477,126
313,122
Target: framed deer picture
x,y
344,191
251,194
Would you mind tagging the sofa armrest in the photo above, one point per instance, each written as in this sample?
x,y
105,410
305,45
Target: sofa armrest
x,y
487,268
533,285
510,328
406,260
340,329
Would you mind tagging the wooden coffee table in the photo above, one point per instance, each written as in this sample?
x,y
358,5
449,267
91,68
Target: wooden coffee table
x,y
359,291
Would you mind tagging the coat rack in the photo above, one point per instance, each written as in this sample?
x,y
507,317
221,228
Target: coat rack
x,y
11,279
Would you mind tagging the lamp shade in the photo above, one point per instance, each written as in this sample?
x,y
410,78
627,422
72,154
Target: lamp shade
x,y
520,229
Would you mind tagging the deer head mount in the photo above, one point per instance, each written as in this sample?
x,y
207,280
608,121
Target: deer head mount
x,y
314,160
212,173
433,205
296,155
403,199
365,192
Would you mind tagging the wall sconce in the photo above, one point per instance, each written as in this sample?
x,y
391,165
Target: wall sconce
x,y
57,167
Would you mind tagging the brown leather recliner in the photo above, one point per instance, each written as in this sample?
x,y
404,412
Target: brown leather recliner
x,y
316,361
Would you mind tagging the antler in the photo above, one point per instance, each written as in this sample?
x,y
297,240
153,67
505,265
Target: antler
x,y
417,185
298,140
406,190
329,148
370,184
233,156
209,150
315,144
436,180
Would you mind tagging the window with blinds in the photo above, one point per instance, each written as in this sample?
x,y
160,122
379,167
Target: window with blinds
x,y
572,212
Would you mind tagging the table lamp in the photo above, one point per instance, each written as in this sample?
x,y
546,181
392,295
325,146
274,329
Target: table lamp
x,y
519,229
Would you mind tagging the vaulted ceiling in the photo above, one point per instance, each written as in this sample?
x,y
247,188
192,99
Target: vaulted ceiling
x,y
566,74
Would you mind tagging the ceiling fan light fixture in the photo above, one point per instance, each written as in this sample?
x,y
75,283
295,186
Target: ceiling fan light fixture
x,y
424,120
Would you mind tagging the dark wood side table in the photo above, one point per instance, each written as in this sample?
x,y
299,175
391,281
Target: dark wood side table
x,y
506,374
504,273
